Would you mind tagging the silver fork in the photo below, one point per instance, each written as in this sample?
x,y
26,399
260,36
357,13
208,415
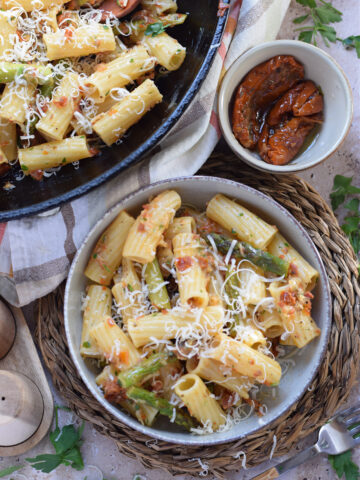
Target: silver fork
x,y
336,436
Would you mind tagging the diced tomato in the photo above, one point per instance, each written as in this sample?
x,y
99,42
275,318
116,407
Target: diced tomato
x,y
227,399
287,298
93,151
183,263
141,227
293,269
37,174
68,33
110,322
124,357
61,102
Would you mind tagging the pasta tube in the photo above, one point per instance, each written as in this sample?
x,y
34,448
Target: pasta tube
x,y
245,225
147,231
82,41
252,286
54,124
29,5
7,28
216,372
15,101
108,251
245,360
192,278
167,50
271,323
160,7
4,163
113,344
8,139
295,308
158,294
165,254
111,125
98,304
127,292
198,400
126,68
281,248
53,154
166,326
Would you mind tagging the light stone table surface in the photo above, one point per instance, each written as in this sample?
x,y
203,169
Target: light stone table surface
x,y
100,453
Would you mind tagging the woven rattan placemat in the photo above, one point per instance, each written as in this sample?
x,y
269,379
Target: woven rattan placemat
x,y
330,387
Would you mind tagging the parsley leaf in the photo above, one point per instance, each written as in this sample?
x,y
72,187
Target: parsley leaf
x,y
66,442
10,470
352,42
155,29
351,226
342,187
300,19
322,14
343,465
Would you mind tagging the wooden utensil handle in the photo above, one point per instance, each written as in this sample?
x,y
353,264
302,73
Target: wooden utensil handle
x,y
268,475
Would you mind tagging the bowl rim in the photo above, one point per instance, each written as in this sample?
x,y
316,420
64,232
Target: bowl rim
x,y
244,153
145,148
166,435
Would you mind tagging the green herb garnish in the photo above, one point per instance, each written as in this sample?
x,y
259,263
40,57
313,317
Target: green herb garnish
x,y
155,29
66,442
343,465
321,15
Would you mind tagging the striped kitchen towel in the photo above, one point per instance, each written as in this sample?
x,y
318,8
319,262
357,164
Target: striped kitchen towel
x,y
36,252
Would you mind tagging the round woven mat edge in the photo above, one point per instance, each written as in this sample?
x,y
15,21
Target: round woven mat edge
x,y
329,389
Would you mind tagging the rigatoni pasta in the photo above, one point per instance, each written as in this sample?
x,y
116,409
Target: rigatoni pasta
x,y
108,252
74,69
112,125
200,345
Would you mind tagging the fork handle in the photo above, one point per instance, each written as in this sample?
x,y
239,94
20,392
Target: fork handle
x,y
287,465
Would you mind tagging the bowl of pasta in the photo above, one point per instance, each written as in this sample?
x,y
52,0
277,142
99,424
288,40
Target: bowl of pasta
x,y
77,78
197,310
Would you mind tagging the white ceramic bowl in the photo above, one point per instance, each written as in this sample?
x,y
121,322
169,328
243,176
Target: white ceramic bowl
x,y
197,191
319,67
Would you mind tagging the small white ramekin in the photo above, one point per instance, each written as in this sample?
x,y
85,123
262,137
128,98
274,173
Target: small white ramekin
x,y
322,69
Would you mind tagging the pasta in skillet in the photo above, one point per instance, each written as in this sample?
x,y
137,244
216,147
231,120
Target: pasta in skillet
x,y
76,78
202,304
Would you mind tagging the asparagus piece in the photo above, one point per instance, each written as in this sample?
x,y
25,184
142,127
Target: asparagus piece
x,y
134,375
232,283
159,297
262,259
165,408
8,72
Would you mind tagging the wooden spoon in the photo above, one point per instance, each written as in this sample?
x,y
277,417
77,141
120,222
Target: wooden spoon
x,y
119,8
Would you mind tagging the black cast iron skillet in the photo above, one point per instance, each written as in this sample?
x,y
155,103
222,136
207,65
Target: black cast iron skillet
x,y
200,34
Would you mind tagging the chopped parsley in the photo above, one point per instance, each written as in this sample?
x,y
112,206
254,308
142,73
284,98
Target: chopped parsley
x,y
155,29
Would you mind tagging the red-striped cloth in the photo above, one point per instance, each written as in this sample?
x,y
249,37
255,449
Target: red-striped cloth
x,y
36,252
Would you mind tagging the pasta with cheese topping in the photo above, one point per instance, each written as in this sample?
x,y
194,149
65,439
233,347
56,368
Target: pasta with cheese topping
x,y
201,344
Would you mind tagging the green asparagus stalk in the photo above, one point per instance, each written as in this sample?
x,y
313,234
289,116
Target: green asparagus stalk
x,y
165,408
262,259
159,297
134,375
232,283
8,72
